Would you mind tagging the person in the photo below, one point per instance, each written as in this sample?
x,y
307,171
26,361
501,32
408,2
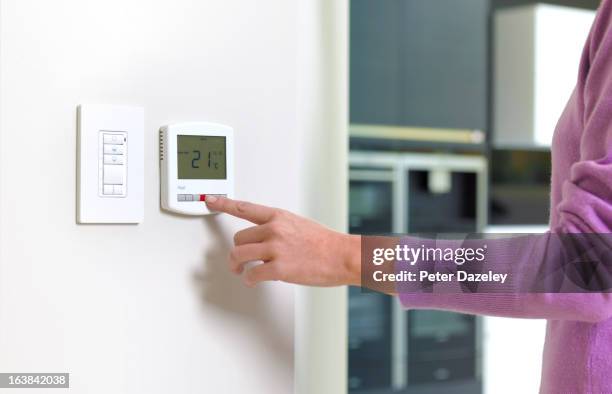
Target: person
x,y
578,346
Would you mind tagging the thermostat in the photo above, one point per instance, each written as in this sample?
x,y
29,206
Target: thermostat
x,y
197,160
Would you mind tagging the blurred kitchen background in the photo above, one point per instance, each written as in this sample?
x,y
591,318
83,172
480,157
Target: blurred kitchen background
x,y
452,108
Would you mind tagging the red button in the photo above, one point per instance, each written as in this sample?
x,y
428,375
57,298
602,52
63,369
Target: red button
x,y
202,197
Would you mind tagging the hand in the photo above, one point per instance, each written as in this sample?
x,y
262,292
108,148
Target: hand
x,y
291,248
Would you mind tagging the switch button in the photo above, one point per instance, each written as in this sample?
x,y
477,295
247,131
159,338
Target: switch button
x,y
114,139
110,149
113,175
113,159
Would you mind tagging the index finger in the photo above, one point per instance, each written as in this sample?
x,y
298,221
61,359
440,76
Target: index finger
x,y
254,213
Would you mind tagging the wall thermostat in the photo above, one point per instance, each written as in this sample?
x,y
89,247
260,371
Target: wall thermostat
x,y
197,160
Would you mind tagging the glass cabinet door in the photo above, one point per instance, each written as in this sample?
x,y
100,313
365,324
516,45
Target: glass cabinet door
x,y
369,341
369,313
371,203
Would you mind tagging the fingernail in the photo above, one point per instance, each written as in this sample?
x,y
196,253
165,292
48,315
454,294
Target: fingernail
x,y
211,199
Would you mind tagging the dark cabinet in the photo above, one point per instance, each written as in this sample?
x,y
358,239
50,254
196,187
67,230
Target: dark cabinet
x,y
419,63
519,187
375,61
442,348
425,63
370,333
455,210
420,352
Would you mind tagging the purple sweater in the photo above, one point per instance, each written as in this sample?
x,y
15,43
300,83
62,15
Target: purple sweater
x,y
578,348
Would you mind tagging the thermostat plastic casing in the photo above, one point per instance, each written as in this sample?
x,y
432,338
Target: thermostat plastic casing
x,y
187,196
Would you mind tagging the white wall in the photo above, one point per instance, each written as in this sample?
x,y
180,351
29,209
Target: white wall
x,y
322,314
148,308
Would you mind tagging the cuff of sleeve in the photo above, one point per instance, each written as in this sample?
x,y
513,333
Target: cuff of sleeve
x,y
416,300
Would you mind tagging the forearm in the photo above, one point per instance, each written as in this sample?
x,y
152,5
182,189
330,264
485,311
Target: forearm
x,y
593,308
535,288
354,267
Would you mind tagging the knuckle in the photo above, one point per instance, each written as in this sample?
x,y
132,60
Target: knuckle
x,y
279,213
275,227
242,206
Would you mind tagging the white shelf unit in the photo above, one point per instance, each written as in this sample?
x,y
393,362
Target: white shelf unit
x,y
536,60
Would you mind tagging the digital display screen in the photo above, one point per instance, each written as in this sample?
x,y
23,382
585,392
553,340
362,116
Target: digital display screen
x,y
201,157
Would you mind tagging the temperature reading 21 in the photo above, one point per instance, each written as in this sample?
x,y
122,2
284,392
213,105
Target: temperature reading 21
x,y
213,159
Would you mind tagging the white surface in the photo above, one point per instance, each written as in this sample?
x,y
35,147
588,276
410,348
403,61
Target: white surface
x,y
537,54
98,127
512,355
152,308
517,229
172,186
513,347
321,314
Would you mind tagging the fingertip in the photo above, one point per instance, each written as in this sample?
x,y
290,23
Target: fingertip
x,y
209,200
215,203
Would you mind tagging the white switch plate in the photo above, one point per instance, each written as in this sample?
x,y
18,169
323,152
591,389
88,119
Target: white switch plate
x,y
93,206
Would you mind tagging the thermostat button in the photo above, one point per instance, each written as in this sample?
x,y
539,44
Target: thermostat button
x,y
181,197
188,197
108,190
118,190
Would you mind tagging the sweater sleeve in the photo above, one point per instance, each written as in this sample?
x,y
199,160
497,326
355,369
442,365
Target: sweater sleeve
x,y
585,201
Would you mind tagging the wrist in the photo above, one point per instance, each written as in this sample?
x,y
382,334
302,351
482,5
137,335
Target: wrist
x,y
352,259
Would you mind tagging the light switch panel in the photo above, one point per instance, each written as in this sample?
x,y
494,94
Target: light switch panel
x,y
110,164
